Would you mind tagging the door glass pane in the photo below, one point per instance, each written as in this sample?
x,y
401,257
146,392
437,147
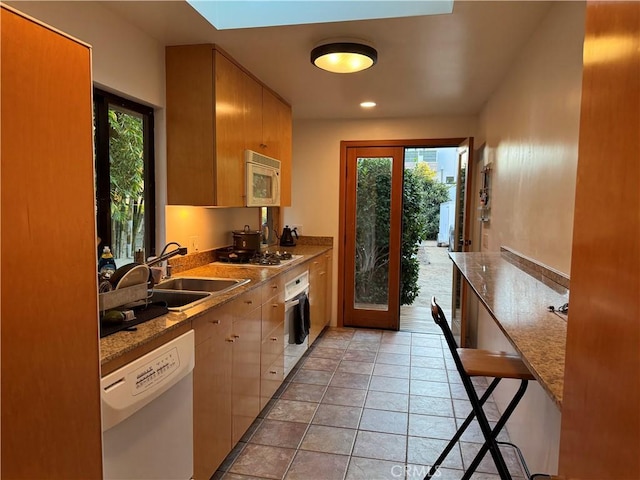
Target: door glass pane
x,y
126,164
373,217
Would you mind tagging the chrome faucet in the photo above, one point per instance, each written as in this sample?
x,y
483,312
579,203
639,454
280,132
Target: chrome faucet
x,y
166,256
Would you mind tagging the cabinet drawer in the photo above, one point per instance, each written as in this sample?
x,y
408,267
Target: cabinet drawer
x,y
247,302
272,347
272,314
271,379
210,323
272,287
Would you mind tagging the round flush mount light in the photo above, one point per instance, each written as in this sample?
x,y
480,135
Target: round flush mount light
x,y
344,56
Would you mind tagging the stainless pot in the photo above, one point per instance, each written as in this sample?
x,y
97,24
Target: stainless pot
x,y
246,239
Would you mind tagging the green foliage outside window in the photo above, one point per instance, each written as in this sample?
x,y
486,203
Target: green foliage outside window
x,y
127,181
422,196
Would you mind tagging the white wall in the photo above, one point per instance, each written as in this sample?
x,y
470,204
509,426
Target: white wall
x,y
130,63
316,166
531,126
212,226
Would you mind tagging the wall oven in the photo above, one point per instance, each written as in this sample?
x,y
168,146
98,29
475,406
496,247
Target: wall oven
x,y
295,291
262,180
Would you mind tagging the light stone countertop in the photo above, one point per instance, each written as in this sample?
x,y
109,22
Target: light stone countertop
x,y
117,344
518,303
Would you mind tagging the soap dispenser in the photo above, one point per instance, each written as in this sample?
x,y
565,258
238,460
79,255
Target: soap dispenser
x,y
106,264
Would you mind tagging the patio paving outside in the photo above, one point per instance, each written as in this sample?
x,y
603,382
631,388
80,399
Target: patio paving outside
x,y
434,279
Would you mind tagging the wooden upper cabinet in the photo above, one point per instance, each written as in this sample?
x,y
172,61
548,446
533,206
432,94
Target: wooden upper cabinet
x,y
277,139
215,111
230,88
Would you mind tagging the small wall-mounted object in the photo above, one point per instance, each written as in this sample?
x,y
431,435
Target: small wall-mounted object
x,y
485,193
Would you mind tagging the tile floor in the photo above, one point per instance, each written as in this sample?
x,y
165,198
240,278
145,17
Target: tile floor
x,y
365,404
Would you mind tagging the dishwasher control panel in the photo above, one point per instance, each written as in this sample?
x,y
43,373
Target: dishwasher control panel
x,y
157,370
138,383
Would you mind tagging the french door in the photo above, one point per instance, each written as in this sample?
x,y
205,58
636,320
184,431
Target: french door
x,y
373,233
370,239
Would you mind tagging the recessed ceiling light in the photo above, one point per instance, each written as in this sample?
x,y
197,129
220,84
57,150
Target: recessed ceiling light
x,y
368,104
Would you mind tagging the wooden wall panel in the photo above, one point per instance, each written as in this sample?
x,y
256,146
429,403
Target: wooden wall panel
x,y
601,410
50,420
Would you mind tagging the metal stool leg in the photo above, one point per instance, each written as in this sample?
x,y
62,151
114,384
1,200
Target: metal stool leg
x,y
490,441
499,425
436,465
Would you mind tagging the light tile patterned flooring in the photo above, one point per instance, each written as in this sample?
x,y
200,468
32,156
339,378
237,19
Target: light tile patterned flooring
x,y
365,404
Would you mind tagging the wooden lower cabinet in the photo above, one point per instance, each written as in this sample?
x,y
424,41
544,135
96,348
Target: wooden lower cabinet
x,y
212,391
245,378
319,294
226,382
240,361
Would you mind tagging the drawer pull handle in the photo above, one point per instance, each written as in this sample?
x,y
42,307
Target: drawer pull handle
x,y
274,287
274,339
273,372
235,336
274,305
249,302
230,340
215,322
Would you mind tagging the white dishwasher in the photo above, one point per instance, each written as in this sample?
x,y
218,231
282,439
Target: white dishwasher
x,y
147,415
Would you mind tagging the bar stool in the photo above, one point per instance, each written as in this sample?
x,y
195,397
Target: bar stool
x,y
481,363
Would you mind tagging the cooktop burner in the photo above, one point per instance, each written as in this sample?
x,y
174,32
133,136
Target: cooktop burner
x,y
250,257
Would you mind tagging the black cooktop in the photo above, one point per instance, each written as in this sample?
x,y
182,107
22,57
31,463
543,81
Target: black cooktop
x,y
231,255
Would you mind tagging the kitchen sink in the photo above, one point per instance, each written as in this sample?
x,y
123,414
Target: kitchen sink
x,y
178,300
201,284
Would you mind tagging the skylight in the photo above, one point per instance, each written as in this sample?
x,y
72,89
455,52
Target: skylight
x,y
266,13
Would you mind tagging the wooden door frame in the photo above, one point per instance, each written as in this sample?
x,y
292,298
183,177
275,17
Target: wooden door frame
x,y
467,235
346,144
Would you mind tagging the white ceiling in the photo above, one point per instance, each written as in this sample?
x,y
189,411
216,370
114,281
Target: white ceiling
x,y
427,65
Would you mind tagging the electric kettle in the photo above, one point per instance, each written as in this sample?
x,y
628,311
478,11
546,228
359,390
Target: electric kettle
x,y
286,239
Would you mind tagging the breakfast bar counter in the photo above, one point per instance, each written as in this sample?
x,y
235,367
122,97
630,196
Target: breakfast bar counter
x,y
518,301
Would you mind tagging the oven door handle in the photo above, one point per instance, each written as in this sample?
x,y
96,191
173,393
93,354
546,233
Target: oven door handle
x,y
291,304
295,300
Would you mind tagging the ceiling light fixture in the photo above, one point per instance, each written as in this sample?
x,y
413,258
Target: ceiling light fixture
x,y
344,56
368,104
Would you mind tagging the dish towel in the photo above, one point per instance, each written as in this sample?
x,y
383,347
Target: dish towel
x,y
301,320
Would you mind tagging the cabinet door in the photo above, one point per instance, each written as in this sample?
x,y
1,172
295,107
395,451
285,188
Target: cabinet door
x,y
253,115
246,334
317,297
277,138
212,392
191,170
230,85
50,420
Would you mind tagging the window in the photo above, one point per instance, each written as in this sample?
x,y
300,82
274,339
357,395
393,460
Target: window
x,y
125,207
270,225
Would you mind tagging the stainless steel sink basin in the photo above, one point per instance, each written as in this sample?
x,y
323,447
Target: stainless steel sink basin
x,y
178,300
201,284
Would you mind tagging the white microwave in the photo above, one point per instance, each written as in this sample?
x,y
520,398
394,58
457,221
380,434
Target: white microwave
x,y
262,180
